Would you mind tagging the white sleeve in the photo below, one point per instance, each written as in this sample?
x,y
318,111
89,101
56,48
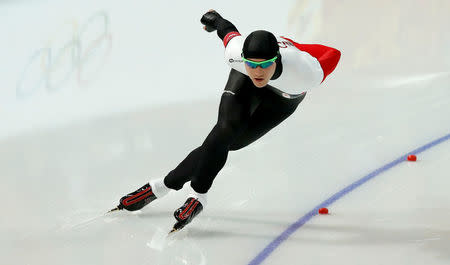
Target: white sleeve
x,y
233,53
301,71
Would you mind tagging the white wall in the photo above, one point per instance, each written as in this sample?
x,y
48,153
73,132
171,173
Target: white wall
x,y
68,60
64,61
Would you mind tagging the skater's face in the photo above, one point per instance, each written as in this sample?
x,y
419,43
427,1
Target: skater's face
x,y
259,76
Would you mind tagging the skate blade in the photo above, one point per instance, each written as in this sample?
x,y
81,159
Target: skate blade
x,y
177,227
173,230
113,210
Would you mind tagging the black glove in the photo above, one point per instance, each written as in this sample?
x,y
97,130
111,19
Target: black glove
x,y
211,20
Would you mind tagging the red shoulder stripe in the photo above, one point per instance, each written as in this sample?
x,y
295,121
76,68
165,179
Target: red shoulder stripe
x,y
328,57
229,36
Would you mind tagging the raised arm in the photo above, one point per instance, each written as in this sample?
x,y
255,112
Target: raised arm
x,y
225,29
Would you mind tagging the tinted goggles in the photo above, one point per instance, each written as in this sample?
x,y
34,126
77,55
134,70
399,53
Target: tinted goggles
x,y
263,64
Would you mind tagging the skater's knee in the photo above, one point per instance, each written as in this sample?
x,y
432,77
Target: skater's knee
x,y
244,139
201,186
174,183
237,146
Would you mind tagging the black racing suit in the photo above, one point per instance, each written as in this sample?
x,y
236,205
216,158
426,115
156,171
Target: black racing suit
x,y
246,113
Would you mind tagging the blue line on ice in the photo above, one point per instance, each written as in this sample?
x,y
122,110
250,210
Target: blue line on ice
x,y
300,222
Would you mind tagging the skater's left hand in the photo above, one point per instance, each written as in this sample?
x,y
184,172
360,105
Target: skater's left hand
x,y
210,20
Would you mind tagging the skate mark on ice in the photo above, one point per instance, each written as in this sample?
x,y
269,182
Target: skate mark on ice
x,y
300,222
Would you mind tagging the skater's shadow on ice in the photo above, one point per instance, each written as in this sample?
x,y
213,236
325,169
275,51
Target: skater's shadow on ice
x,y
210,219
246,220
429,237
200,233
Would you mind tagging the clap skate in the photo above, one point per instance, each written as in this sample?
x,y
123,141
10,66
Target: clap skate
x,y
136,200
184,215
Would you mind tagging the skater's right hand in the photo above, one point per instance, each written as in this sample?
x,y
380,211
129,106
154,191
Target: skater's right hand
x,y
210,19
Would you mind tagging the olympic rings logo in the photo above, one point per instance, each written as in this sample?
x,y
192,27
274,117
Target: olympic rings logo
x,y
83,56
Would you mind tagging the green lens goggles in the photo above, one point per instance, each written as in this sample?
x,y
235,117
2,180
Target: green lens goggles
x,y
263,64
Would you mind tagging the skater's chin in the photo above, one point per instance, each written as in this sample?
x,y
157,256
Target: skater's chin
x,y
259,82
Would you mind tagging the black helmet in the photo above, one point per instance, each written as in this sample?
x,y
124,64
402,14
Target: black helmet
x,y
260,44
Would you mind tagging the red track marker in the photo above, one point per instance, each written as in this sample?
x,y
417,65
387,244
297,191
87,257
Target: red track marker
x,y
412,158
323,211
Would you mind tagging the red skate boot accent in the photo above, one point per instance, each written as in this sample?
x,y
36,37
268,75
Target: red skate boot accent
x,y
184,215
136,200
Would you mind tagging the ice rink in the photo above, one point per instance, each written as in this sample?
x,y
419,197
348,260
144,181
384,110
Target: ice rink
x,y
99,97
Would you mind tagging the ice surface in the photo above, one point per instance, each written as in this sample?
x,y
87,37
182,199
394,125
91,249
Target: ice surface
x,y
66,157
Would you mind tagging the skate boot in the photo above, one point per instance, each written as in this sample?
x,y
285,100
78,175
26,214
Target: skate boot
x,y
184,215
136,200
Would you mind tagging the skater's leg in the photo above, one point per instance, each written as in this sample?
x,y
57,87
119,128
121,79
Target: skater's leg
x,y
202,164
184,171
238,101
270,112
233,120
